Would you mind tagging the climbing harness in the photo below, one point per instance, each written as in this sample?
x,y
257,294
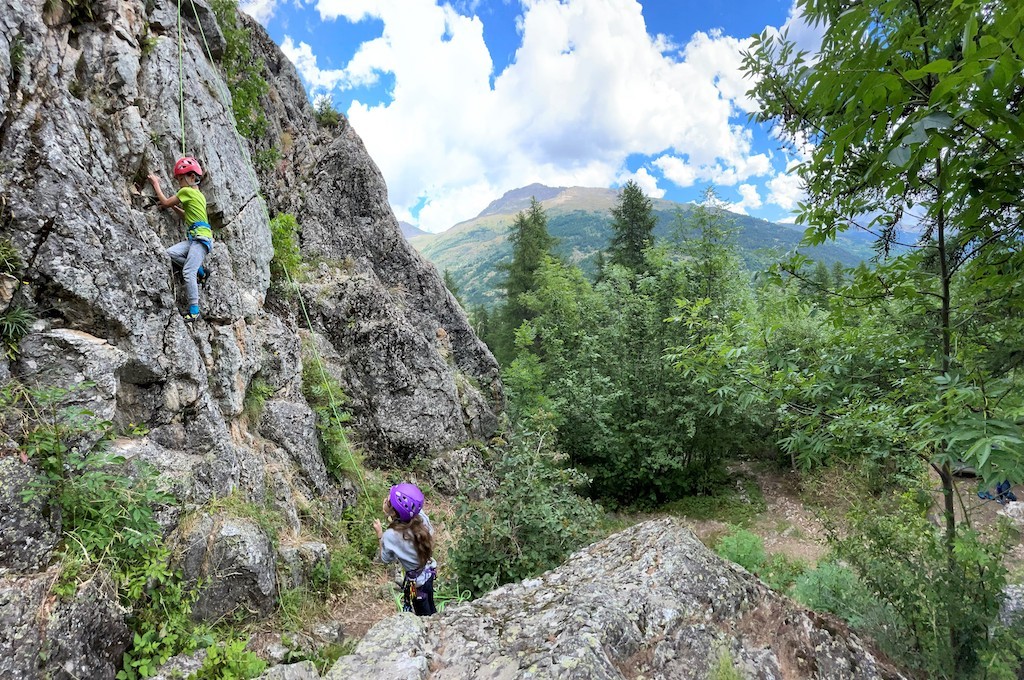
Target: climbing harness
x,y
419,598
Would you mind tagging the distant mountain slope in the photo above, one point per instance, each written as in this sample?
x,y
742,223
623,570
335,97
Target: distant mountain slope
x,y
410,230
580,218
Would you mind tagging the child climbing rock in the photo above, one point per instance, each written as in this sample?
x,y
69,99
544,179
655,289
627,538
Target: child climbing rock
x,y
190,204
409,539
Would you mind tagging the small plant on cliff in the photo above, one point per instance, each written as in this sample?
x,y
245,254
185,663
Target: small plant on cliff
x,y
325,113
10,259
15,322
266,160
242,72
255,399
230,660
17,57
325,396
284,234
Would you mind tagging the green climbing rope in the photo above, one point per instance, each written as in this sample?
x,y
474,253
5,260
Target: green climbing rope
x,y
181,79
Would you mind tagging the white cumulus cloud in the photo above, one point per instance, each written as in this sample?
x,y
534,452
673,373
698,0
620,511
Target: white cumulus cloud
x,y
588,88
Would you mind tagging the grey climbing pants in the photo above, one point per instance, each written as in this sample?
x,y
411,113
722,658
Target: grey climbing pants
x,y
190,255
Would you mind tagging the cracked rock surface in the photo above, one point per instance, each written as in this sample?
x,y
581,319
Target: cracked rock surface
x,y
649,602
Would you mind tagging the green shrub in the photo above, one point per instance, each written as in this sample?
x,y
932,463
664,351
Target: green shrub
x,y
325,397
743,547
526,527
325,113
727,505
229,661
255,398
725,668
945,599
287,258
266,160
746,549
837,589
107,520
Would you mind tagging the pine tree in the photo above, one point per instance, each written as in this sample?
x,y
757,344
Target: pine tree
x,y
531,243
633,223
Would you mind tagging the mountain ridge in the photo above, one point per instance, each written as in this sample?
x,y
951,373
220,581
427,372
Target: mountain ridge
x,y
580,218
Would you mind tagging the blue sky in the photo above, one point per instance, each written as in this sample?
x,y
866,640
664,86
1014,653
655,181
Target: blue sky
x,y
460,102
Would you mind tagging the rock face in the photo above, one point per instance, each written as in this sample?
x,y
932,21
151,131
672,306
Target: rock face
x,y
89,105
649,602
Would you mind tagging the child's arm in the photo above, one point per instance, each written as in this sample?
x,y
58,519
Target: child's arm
x,y
165,202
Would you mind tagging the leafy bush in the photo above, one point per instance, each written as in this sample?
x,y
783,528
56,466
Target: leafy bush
x,y
837,589
946,598
230,661
728,505
284,236
266,160
255,398
743,547
533,520
325,113
107,520
746,549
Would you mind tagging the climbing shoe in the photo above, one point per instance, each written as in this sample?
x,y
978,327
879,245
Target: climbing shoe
x,y
192,314
202,276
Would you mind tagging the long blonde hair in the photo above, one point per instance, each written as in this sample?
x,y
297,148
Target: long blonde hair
x,y
414,530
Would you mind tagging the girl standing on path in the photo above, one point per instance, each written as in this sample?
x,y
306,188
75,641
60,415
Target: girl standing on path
x,y
409,539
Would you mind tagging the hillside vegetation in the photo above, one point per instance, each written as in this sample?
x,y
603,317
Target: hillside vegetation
x,y
580,218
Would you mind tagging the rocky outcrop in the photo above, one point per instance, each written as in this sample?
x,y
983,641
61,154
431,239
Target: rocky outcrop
x,y
236,560
28,533
649,602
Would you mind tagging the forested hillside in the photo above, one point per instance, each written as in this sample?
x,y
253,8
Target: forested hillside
x,y
579,218
662,370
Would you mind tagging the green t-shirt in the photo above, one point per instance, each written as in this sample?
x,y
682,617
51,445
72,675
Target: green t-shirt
x,y
194,204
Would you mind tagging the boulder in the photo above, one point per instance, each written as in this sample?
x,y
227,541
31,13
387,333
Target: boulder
x,y
234,560
21,601
462,471
649,602
302,563
87,637
292,425
83,637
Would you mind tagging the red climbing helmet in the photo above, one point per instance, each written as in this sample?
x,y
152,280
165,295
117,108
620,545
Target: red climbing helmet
x,y
407,500
186,165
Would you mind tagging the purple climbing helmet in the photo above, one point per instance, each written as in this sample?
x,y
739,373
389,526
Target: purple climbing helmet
x,y
407,500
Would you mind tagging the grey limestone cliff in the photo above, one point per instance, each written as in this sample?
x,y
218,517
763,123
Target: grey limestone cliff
x,y
90,103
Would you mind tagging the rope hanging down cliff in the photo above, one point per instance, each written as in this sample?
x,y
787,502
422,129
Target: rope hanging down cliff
x,y
226,102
